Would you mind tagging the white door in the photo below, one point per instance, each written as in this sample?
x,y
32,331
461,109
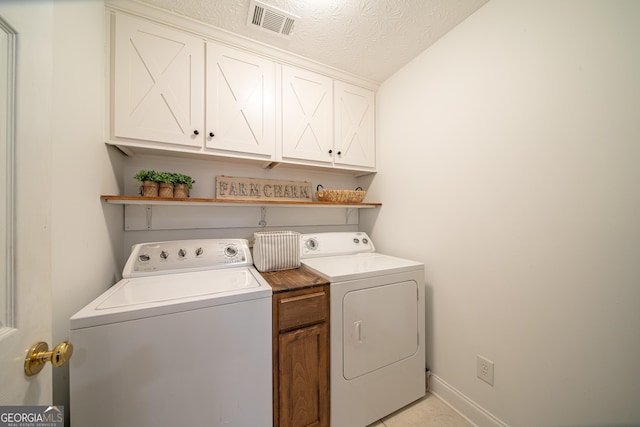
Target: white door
x,y
26,276
307,115
380,336
354,126
158,83
240,102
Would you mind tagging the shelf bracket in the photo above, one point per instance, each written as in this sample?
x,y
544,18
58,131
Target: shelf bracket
x,y
348,212
149,212
263,217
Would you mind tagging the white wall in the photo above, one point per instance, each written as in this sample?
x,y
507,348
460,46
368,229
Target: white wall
x,y
86,234
509,153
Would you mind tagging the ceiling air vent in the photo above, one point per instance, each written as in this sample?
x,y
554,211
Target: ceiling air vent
x,y
270,18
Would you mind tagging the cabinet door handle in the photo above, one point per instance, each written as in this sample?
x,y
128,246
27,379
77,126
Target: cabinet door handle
x,y
339,153
196,132
330,151
211,134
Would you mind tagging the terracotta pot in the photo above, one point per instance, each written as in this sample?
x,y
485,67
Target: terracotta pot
x,y
166,190
149,189
180,191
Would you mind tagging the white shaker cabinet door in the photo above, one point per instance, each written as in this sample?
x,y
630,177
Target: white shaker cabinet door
x,y
158,83
240,102
354,126
307,116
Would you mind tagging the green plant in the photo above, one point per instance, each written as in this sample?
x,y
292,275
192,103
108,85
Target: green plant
x,y
165,177
146,175
179,178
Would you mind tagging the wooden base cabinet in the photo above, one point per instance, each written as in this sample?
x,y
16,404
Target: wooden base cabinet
x,y
301,357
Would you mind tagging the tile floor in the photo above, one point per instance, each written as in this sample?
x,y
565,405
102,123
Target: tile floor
x,y
426,412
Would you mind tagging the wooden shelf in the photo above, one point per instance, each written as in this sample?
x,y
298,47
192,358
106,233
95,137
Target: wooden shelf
x,y
195,201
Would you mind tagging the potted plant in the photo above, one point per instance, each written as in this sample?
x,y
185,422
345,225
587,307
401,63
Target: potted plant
x,y
149,187
166,181
183,184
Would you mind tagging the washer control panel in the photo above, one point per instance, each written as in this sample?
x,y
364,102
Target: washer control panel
x,y
186,255
330,244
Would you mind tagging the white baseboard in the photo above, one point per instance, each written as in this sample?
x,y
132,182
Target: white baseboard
x,y
473,412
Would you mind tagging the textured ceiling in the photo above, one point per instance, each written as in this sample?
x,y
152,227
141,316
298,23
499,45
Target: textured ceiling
x,y
368,38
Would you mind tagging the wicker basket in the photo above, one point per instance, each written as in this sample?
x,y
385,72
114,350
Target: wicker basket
x,y
340,196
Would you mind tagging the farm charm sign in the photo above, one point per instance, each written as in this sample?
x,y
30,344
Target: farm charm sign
x,y
232,188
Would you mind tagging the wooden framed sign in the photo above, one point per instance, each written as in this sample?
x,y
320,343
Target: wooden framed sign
x,y
233,188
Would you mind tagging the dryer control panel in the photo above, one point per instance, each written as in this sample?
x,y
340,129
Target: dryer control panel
x,y
331,244
186,255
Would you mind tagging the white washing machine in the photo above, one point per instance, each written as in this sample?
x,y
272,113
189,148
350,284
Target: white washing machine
x,y
183,339
377,326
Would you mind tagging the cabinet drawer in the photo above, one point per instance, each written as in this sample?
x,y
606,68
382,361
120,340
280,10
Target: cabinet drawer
x,y
302,310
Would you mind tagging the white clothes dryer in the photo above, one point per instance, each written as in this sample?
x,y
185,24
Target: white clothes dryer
x,y
377,326
183,339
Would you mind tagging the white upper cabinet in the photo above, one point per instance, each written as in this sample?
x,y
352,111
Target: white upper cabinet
x,y
158,83
307,116
354,126
240,102
178,91
327,121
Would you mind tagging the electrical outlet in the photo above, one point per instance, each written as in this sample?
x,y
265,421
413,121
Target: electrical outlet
x,y
484,369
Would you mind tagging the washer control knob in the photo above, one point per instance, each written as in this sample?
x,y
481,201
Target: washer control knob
x,y
356,240
231,251
182,253
311,244
199,251
164,254
144,257
365,241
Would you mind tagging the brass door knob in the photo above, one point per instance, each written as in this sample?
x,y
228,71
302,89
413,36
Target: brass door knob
x,y
39,354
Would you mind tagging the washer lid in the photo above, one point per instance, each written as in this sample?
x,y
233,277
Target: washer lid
x,y
147,296
349,267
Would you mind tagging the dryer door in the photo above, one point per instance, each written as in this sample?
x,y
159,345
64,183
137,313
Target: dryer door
x,y
380,327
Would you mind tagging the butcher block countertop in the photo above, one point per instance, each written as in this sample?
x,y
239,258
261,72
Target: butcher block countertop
x,y
294,279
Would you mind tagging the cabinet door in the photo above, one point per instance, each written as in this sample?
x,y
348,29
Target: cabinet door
x,y
307,116
354,126
240,102
158,83
304,382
